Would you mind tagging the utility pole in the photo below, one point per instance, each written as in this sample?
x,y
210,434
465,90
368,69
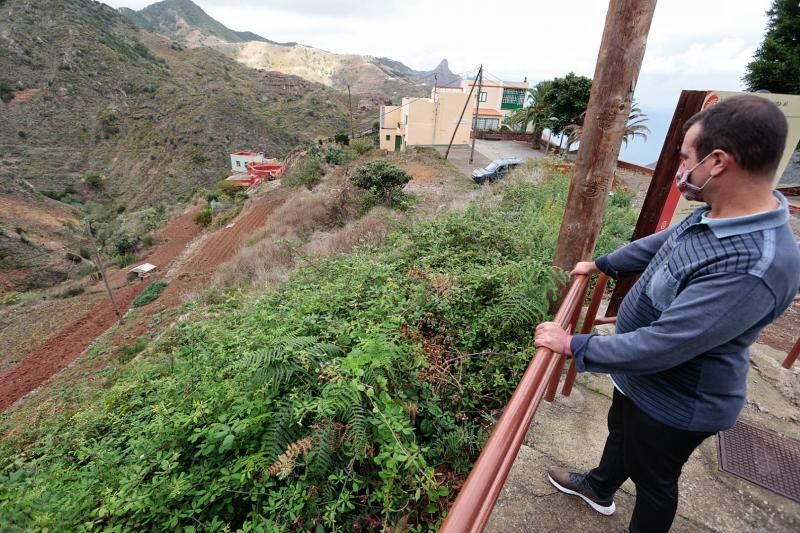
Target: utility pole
x,y
618,64
435,108
477,108
469,97
350,104
98,260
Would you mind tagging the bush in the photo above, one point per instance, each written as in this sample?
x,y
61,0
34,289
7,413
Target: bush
x,y
128,352
228,188
150,293
147,240
361,147
203,217
85,252
125,260
126,244
335,155
382,179
6,92
342,138
306,173
93,180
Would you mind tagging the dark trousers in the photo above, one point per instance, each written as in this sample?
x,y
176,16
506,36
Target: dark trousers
x,y
652,455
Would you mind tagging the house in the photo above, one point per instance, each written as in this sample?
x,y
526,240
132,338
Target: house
x,y
431,121
239,160
498,99
425,121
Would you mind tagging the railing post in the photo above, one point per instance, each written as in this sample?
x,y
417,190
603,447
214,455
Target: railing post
x,y
588,322
562,358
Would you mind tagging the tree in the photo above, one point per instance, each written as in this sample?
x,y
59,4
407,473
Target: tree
x,y
381,178
535,111
635,127
776,64
567,101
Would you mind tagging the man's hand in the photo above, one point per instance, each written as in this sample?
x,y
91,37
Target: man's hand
x,y
586,268
551,335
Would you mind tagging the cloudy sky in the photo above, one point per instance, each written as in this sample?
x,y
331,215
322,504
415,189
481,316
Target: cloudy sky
x,y
693,44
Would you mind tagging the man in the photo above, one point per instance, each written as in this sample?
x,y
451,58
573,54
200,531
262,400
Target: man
x,y
708,286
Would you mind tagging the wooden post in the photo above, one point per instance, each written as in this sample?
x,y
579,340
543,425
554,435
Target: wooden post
x,y
475,118
689,103
350,105
460,118
618,63
99,263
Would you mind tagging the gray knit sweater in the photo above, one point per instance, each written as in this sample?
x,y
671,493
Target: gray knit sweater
x,y
708,287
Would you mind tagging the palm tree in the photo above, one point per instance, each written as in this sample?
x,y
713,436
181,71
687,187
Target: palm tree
x,y
635,127
535,113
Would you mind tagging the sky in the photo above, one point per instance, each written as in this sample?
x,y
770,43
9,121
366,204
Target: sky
x,y
692,44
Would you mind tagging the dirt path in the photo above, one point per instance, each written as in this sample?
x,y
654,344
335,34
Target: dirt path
x,y
65,345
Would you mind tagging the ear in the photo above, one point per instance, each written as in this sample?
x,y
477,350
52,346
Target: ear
x,y
720,161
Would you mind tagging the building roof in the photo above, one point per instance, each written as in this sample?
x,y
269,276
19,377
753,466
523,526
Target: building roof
x,y
487,112
143,268
247,153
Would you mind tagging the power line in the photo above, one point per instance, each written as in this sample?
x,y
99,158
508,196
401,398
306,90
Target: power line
x,y
419,98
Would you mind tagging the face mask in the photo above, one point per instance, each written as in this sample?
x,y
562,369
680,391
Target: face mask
x,y
691,192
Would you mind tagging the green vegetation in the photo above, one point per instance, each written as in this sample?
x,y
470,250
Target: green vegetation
x,y
126,353
203,217
352,397
342,138
776,64
306,173
361,146
150,293
125,260
93,180
383,181
6,92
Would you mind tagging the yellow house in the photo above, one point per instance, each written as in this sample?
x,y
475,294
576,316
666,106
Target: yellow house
x,y
431,121
425,121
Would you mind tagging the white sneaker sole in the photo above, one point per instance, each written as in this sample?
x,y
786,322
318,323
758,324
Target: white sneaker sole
x,y
602,509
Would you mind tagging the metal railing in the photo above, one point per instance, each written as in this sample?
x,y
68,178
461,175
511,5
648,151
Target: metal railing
x,y
480,491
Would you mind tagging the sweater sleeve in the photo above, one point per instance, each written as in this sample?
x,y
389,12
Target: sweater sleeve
x,y
709,312
634,257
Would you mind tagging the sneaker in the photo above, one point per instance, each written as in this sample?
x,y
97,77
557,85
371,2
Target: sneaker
x,y
575,484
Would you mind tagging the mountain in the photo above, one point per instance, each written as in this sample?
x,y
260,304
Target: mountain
x,y
374,79
83,91
185,22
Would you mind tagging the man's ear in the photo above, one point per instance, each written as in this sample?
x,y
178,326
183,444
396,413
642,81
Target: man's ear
x,y
720,161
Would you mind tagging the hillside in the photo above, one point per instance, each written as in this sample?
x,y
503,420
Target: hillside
x,y
184,21
376,78
82,90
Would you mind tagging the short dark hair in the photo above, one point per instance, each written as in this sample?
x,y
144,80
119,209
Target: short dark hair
x,y
750,128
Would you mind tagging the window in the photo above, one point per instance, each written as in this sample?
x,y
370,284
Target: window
x,y
238,163
512,98
483,96
486,123
388,137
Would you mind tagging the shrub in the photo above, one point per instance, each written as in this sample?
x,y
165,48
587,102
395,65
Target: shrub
x,y
382,179
228,188
342,138
6,92
335,155
147,240
125,260
93,180
361,147
203,217
306,173
85,252
126,244
150,293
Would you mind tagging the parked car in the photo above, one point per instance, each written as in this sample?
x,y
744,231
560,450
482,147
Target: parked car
x,y
495,170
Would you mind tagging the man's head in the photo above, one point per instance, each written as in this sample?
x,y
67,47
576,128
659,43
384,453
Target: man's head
x,y
746,130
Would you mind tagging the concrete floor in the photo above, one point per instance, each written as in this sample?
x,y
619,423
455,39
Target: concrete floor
x,y
488,151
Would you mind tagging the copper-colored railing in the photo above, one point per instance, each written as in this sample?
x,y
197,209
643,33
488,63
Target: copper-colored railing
x,y
475,502
793,354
